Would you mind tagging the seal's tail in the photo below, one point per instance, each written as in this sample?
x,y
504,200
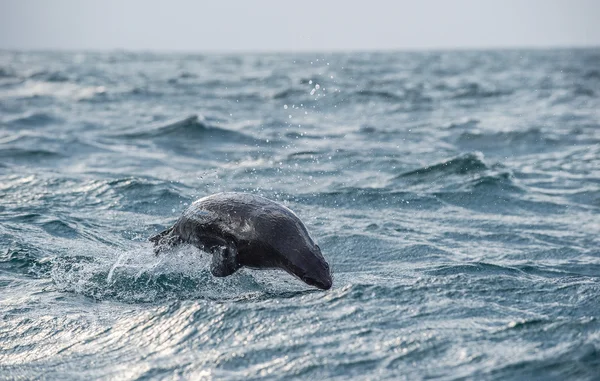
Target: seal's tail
x,y
164,240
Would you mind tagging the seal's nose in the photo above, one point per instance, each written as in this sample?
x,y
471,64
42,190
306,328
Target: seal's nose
x,y
323,282
326,285
325,279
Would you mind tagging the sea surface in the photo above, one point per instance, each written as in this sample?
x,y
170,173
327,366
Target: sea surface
x,y
456,196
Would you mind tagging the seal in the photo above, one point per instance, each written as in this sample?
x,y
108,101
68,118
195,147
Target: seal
x,y
241,229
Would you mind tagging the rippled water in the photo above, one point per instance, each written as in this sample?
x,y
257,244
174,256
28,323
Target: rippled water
x,y
456,196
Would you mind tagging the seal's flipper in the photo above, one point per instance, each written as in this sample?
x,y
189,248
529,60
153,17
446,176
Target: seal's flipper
x,y
224,261
165,239
157,237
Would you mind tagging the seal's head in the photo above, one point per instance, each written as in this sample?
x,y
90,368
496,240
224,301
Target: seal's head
x,y
294,249
309,266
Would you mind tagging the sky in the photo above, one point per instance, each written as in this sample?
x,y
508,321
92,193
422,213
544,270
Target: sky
x,y
299,25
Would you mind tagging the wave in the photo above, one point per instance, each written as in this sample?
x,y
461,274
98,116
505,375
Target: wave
x,y
311,136
136,275
143,92
7,73
183,75
26,144
465,164
291,93
28,154
374,94
312,80
467,181
59,228
50,91
193,127
500,181
423,252
587,197
367,129
49,76
25,259
592,74
468,123
474,268
514,141
477,91
583,91
37,119
138,195
368,198
52,225
305,154
570,361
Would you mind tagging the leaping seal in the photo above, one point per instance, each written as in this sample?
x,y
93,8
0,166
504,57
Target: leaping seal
x,y
241,229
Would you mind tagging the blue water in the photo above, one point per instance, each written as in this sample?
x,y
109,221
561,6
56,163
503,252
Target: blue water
x,y
456,196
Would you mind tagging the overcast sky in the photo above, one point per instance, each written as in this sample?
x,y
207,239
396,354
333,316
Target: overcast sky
x,y
280,25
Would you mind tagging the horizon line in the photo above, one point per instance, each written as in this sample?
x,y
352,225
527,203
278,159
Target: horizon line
x,y
302,50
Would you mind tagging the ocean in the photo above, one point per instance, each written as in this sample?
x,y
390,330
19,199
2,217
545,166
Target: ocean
x,y
455,195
